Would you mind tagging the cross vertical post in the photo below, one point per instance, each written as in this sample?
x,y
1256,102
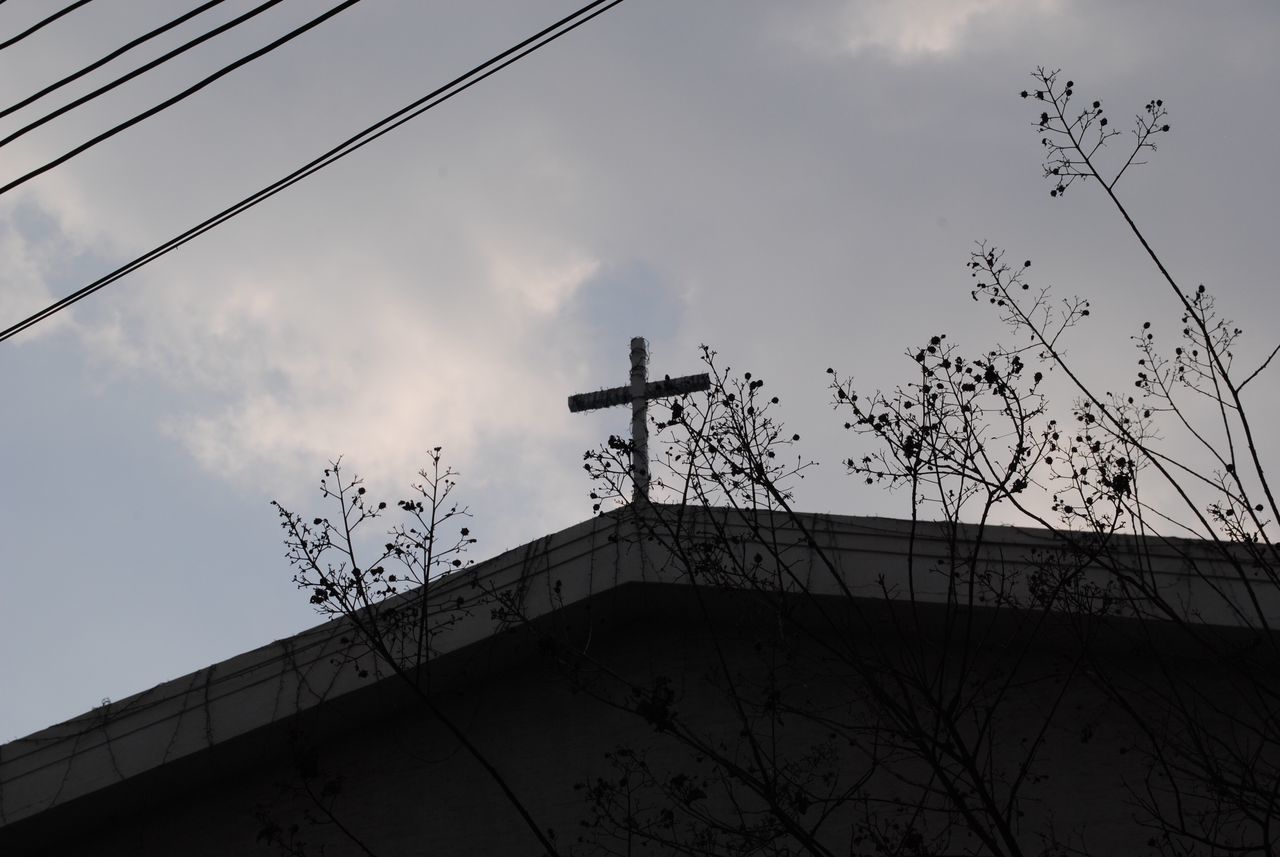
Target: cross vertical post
x,y
639,418
638,393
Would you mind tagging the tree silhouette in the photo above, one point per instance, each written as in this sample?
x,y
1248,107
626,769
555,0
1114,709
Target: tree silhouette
x,y
929,713
388,606
1125,485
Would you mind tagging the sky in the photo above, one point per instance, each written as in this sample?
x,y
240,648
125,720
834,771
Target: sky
x,y
795,184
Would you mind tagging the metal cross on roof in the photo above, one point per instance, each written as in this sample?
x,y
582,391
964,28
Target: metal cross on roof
x,y
638,393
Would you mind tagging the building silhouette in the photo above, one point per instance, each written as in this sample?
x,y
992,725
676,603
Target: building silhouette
x,y
660,675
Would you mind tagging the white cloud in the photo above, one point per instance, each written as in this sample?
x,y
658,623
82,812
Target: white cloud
x,y
290,366
906,29
540,282
40,245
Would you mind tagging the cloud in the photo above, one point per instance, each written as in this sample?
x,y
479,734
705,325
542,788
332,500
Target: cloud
x,y
44,254
278,368
906,29
535,278
374,311
25,264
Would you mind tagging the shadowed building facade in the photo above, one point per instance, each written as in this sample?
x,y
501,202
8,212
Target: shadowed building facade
x,y
628,691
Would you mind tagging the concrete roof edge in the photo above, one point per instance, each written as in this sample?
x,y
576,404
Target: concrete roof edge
x,y
192,713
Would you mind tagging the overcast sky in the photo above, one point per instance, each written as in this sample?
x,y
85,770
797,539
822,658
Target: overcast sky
x,y
797,184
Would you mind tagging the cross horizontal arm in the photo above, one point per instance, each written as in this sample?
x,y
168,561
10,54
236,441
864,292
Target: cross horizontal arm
x,y
653,390
677,386
600,399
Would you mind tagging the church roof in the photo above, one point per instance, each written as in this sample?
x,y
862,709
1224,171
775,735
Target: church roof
x,y
231,706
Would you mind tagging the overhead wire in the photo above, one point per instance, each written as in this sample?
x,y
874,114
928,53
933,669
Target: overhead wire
x,y
99,63
169,102
38,25
352,144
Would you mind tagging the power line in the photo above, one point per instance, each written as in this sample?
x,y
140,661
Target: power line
x,y
97,64
204,37
368,135
44,23
169,102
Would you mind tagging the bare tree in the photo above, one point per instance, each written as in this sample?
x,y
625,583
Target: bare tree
x,y
907,722
929,713
1182,455
387,603
1128,486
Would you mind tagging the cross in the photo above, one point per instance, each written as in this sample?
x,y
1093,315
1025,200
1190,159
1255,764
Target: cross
x,y
638,393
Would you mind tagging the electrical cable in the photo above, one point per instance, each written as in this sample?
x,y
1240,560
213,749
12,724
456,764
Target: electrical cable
x,y
204,37
44,23
352,144
169,102
97,64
